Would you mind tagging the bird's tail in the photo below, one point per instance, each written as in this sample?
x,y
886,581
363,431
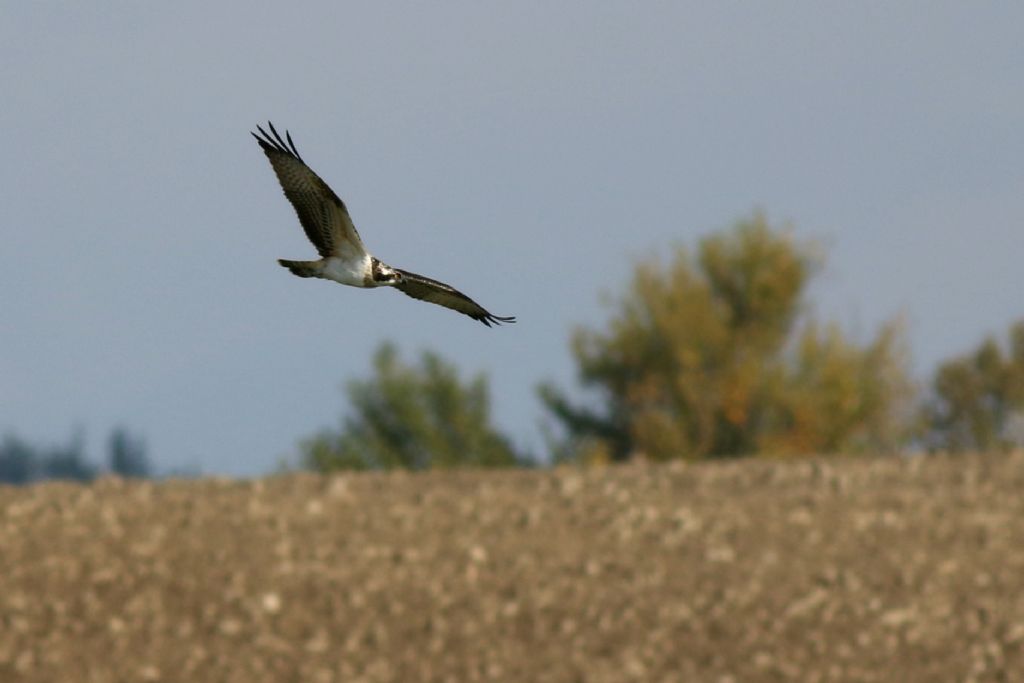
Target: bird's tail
x,y
302,268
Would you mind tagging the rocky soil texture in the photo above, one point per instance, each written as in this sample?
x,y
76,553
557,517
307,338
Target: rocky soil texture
x,y
822,570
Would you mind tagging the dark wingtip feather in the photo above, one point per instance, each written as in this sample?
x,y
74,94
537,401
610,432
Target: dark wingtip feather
x,y
267,149
291,144
496,319
277,136
273,142
265,141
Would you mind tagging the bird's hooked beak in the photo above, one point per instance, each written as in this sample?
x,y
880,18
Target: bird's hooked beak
x,y
385,274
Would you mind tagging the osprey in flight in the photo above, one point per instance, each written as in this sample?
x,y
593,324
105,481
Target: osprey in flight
x,y
344,259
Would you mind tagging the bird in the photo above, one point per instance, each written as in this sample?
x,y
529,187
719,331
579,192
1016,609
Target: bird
x,y
343,258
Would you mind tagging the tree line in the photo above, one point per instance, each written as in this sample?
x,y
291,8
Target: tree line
x,y
22,462
709,353
712,354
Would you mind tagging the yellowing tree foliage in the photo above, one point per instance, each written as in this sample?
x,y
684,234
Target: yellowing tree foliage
x,y
413,417
977,401
707,357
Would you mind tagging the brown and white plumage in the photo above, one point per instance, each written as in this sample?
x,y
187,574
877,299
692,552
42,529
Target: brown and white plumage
x,y
329,227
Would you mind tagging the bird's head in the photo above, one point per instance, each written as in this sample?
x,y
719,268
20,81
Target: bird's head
x,y
383,274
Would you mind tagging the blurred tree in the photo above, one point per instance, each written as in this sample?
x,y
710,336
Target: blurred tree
x,y
68,461
22,463
68,465
127,454
18,461
705,358
415,418
977,399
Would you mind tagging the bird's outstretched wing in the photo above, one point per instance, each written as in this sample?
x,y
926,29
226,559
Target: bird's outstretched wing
x,y
419,287
322,214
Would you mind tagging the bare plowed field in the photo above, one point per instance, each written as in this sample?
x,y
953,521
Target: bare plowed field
x,y
841,570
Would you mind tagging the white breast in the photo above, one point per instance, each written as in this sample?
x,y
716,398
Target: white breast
x,y
353,272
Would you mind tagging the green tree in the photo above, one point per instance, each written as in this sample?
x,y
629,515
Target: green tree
x,y
976,397
22,463
414,417
127,454
19,463
709,356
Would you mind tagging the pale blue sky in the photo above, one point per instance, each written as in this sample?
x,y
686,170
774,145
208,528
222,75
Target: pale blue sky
x,y
525,152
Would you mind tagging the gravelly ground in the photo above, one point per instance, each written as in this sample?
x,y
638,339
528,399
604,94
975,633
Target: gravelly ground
x,y
845,570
